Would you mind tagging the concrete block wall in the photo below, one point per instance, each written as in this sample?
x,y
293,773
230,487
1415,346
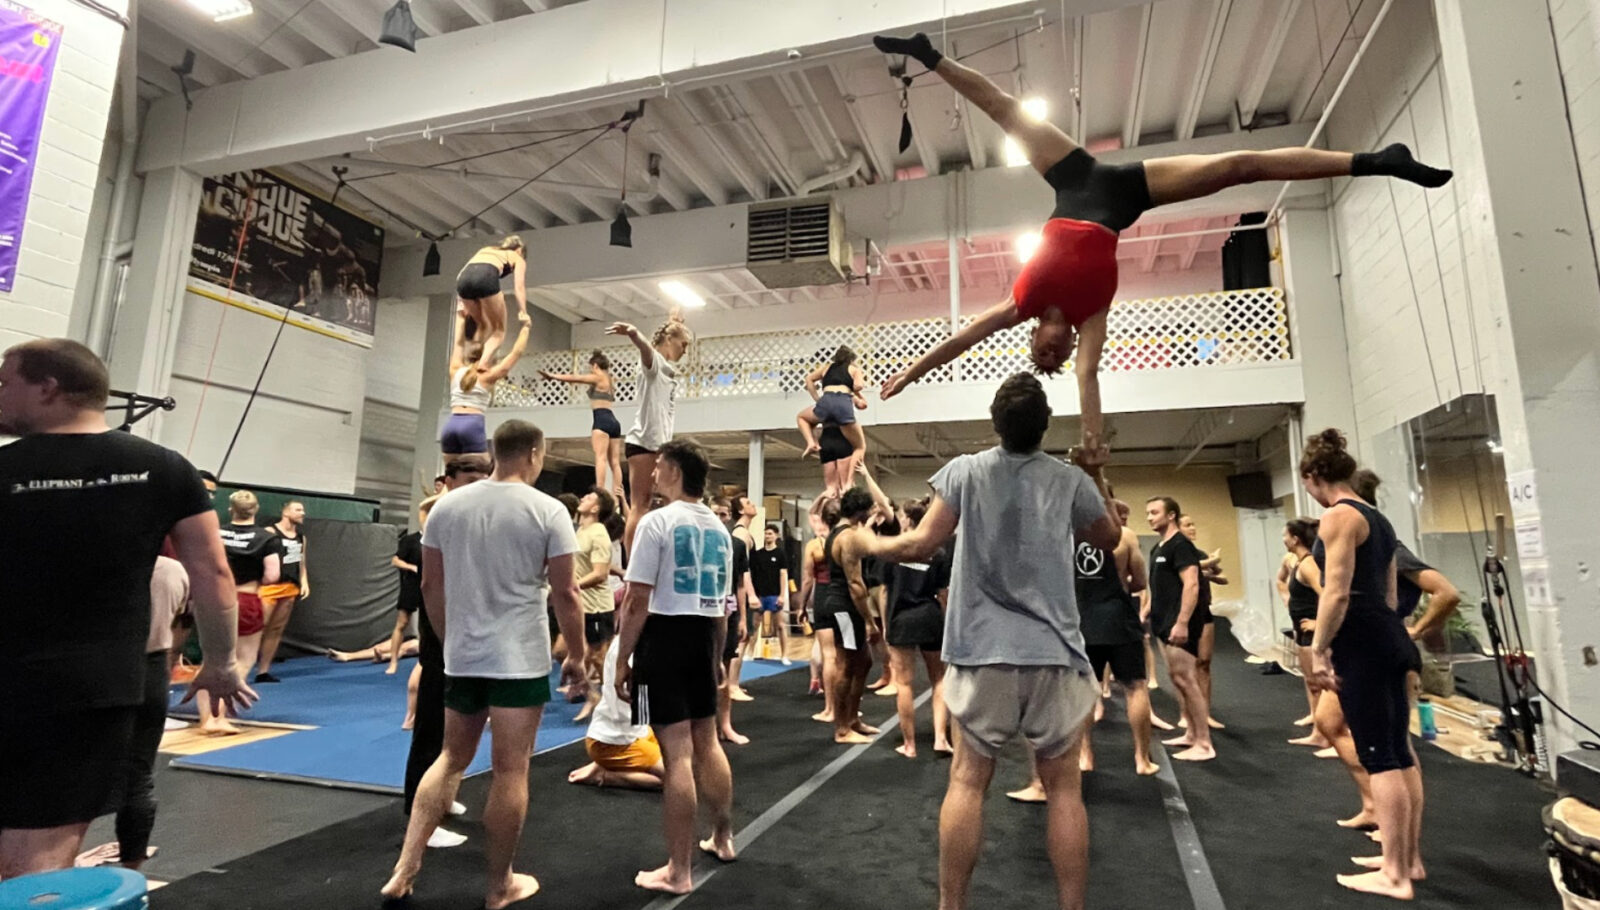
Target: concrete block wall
x,y
66,171
1414,334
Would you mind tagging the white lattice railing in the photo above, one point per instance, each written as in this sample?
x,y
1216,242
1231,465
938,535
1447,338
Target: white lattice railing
x,y
1192,330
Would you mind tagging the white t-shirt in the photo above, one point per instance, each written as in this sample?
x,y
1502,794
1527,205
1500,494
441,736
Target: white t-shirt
x,y
169,596
658,387
612,720
686,555
496,539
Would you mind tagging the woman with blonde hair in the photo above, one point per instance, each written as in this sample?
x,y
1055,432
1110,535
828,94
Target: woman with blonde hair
x,y
606,433
478,287
465,432
652,427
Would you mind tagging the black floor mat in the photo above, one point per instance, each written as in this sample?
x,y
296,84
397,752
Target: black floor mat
x,y
869,836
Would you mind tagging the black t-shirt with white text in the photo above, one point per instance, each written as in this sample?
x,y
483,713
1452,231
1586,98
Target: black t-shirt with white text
x,y
82,519
1406,566
409,550
1167,562
291,553
766,567
248,547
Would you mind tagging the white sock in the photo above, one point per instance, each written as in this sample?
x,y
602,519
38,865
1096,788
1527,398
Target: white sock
x,y
442,838
457,809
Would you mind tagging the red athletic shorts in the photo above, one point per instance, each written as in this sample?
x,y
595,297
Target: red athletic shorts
x,y
1074,271
250,618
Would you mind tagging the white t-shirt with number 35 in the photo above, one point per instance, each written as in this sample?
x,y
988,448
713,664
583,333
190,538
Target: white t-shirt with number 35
x,y
686,555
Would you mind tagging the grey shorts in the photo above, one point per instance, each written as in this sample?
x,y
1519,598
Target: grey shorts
x,y
836,408
1046,705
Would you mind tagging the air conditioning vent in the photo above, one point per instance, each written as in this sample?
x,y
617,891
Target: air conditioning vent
x,y
796,243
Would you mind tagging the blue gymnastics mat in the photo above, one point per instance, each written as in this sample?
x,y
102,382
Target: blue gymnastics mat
x,y
354,710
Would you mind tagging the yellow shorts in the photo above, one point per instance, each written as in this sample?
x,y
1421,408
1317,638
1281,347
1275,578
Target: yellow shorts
x,y
283,590
639,755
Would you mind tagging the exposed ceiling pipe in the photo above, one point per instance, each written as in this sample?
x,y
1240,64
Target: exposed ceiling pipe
x,y
649,191
851,167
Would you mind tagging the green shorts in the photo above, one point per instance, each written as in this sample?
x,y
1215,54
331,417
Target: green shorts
x,y
472,694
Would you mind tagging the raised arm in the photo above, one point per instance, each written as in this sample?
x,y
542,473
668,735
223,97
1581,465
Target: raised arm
x,y
1002,315
647,354
590,378
884,503
922,541
519,283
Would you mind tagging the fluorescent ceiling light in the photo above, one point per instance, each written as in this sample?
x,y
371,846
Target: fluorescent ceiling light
x,y
681,293
223,10
1027,244
1034,109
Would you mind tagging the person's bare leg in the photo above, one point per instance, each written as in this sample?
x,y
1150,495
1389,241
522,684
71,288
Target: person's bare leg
x,y
1314,739
1085,747
806,420
1034,791
1182,665
900,665
961,823
25,851
1208,650
736,691
1151,681
1183,177
725,713
412,681
276,619
862,663
1138,695
1067,832
401,620
616,467
600,442
830,657
1043,143
1392,798
642,482
503,815
714,783
857,437
435,793
815,666
847,687
941,712
1330,723
781,619
493,310
678,799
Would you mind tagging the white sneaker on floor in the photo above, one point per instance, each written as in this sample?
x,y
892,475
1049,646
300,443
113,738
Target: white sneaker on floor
x,y
173,723
787,662
457,809
442,838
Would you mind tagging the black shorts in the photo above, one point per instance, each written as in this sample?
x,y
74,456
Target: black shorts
x,y
630,450
598,627
606,422
64,769
675,670
1126,661
1197,625
920,626
478,281
849,628
1371,657
833,445
1112,195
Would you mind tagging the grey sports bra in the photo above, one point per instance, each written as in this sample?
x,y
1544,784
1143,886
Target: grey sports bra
x,y
596,395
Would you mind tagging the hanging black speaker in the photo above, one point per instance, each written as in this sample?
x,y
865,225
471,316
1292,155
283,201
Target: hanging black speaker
x,y
621,230
430,262
399,29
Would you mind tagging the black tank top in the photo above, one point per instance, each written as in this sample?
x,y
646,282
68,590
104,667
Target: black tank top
x,y
838,590
1105,608
1369,583
1302,599
838,374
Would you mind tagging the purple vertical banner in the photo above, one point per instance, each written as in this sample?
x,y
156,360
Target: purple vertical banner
x,y
28,46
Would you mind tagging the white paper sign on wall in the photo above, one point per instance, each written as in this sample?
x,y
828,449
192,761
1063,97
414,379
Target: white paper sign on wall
x,y
1530,540
1536,584
1523,489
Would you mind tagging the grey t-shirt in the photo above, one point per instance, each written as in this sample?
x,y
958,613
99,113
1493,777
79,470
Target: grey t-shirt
x,y
496,539
1012,589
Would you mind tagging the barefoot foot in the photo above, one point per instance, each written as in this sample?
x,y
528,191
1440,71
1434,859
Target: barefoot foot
x,y
399,885
735,737
825,717
1304,721
519,887
864,728
1033,793
1314,740
720,846
906,749
738,694
1196,753
1183,740
1361,821
1146,767
1377,883
1329,752
662,880
1158,723
589,774
850,737
1216,724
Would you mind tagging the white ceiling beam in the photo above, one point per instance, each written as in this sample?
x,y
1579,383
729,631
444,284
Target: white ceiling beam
x,y
681,161
362,18
544,300
828,153
163,51
1152,251
1342,41
1192,249
1080,27
338,105
867,136
185,29
475,10
426,17
1002,203
729,285
753,186
582,307
765,135
404,206
1266,61
316,26
424,154
1133,120
1189,116
922,141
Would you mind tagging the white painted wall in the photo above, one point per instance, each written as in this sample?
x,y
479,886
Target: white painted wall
x,y
394,375
1576,26
387,454
1409,317
303,430
881,303
65,173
